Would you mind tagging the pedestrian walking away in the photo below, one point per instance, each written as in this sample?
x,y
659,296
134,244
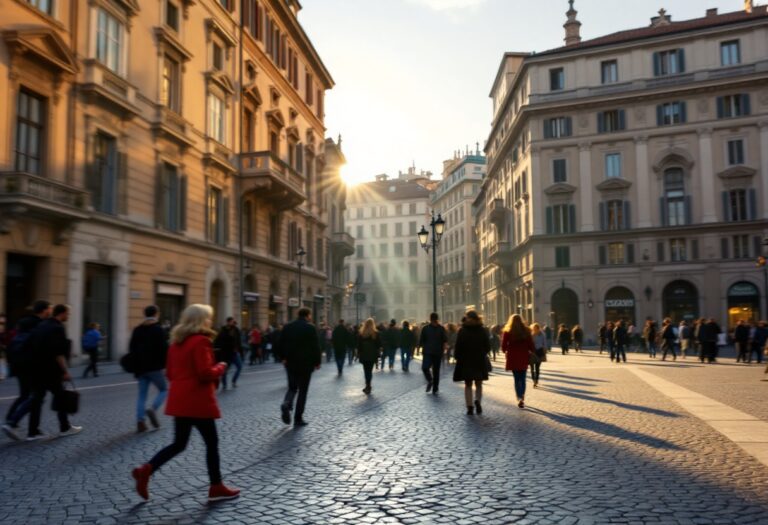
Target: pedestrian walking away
x,y
601,336
90,344
495,338
228,349
368,348
668,338
685,334
471,353
339,341
149,350
563,338
540,353
433,341
300,351
407,343
517,345
391,342
758,342
191,399
620,342
577,336
649,336
741,338
254,342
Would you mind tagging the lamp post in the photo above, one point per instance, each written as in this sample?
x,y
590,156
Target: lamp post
x,y
357,297
437,225
300,253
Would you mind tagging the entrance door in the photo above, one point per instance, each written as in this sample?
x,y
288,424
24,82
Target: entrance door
x,y
565,308
97,303
21,286
620,305
681,301
743,303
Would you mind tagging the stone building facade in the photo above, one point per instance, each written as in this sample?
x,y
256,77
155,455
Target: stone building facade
x,y
627,175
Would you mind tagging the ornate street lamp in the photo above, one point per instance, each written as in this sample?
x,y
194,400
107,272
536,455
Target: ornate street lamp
x,y
437,225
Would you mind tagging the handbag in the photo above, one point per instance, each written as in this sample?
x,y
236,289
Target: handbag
x,y
488,364
67,401
128,362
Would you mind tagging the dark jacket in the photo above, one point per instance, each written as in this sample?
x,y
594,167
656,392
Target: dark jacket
x,y
390,338
339,339
433,339
149,346
563,337
741,333
407,339
368,348
299,346
472,347
227,342
708,332
620,336
48,342
19,351
668,334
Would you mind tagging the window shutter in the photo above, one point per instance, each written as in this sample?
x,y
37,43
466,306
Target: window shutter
x,y
159,189
182,206
695,250
603,217
568,126
300,158
751,204
572,218
745,109
757,246
720,107
683,112
660,251
225,221
627,217
660,115
549,220
688,210
630,253
622,120
726,207
656,64
663,211
601,122
548,128
122,183
602,255
724,251
681,60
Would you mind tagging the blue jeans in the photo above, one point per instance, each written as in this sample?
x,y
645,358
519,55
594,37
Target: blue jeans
x,y
237,362
519,383
157,378
431,368
405,357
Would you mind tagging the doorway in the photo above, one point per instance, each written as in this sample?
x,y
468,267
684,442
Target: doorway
x,y
97,303
22,286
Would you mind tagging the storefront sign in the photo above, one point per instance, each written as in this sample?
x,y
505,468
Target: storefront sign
x,y
170,289
251,297
620,303
293,302
743,290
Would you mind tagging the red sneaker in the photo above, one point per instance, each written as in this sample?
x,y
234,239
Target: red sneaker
x,y
141,475
221,492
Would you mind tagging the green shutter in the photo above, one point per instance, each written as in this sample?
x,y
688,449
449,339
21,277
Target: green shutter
x,y
122,183
225,221
182,206
656,64
602,255
159,188
550,220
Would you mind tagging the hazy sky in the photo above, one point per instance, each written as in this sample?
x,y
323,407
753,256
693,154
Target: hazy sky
x,y
413,76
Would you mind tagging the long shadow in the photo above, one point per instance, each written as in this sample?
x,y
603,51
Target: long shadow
x,y
548,386
671,364
573,393
606,429
546,372
557,379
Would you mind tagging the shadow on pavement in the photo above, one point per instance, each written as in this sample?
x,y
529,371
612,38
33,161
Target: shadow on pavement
x,y
546,372
572,392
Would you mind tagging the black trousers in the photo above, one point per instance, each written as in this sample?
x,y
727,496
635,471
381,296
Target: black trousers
x,y
39,390
25,389
93,353
182,430
298,383
431,369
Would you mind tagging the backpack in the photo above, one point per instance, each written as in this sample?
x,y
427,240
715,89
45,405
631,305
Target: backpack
x,y
19,350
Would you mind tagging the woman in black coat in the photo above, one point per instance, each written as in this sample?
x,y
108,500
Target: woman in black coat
x,y
471,352
368,350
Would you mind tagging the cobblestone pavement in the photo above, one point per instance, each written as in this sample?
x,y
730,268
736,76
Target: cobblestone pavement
x,y
597,445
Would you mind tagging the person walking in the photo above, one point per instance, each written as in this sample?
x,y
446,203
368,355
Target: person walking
x,y
741,338
708,334
90,343
517,345
339,340
686,335
547,334
254,343
391,342
620,342
407,342
495,340
758,341
300,351
540,353
649,336
433,341
563,338
668,337
50,351
351,343
601,336
471,354
577,336
452,331
228,344
368,348
149,349
191,399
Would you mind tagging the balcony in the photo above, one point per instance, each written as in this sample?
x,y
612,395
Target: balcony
x,y
343,244
104,87
501,253
272,179
497,213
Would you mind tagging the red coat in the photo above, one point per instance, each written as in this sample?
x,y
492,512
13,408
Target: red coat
x,y
193,376
517,352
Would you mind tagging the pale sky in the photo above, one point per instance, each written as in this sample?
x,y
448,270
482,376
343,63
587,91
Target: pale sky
x,y
413,76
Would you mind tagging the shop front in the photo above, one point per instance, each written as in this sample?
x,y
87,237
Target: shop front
x,y
680,302
620,305
565,308
743,303
170,299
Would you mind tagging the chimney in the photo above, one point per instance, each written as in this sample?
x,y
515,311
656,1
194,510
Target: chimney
x,y
748,6
572,27
712,12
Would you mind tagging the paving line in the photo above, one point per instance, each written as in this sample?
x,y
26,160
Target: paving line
x,y
747,431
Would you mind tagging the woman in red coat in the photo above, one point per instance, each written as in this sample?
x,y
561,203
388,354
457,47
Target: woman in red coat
x,y
191,398
517,345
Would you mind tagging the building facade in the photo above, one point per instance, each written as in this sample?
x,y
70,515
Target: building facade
x,y
627,175
390,276
169,152
453,197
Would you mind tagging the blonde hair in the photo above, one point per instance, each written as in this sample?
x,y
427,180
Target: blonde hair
x,y
194,320
535,329
516,328
368,330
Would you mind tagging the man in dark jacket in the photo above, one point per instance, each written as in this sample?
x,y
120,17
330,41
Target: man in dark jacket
x,y
741,338
50,349
758,341
149,346
299,350
19,359
391,342
620,341
227,345
340,338
432,341
708,333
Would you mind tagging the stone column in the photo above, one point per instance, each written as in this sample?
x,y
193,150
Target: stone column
x,y
642,182
585,187
764,165
708,203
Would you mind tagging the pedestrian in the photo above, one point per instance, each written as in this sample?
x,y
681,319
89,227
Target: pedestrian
x,y
601,336
741,338
620,342
452,332
407,343
649,336
191,399
577,336
368,348
547,333
540,353
50,352
391,341
254,342
339,339
517,345
227,347
20,361
90,343
668,339
471,354
433,341
630,335
301,354
563,338
351,343
495,340
758,342
708,335
685,334
149,348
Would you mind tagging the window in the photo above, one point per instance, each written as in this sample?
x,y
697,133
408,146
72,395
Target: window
x,y
555,128
384,230
671,113
171,198
359,251
614,215
102,180
248,224
740,205
733,106
730,53
559,173
217,56
561,219
677,251
613,166
616,253
556,79
383,250
30,132
413,249
359,230
359,215
109,41
412,227
169,92
398,249
669,62
46,6
216,118
399,229
413,271
412,210
308,95
562,257
735,152
360,273
675,206
609,72
172,16
398,209
741,246
611,121
216,218
384,272
274,235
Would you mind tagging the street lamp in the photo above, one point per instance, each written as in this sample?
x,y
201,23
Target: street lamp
x,y
357,296
438,228
300,253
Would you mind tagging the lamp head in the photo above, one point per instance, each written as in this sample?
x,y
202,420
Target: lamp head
x,y
439,224
423,236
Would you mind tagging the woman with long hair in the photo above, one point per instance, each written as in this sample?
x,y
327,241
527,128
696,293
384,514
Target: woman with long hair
x,y
191,399
517,345
472,347
368,349
540,346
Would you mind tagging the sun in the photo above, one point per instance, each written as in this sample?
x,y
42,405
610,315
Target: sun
x,y
347,176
